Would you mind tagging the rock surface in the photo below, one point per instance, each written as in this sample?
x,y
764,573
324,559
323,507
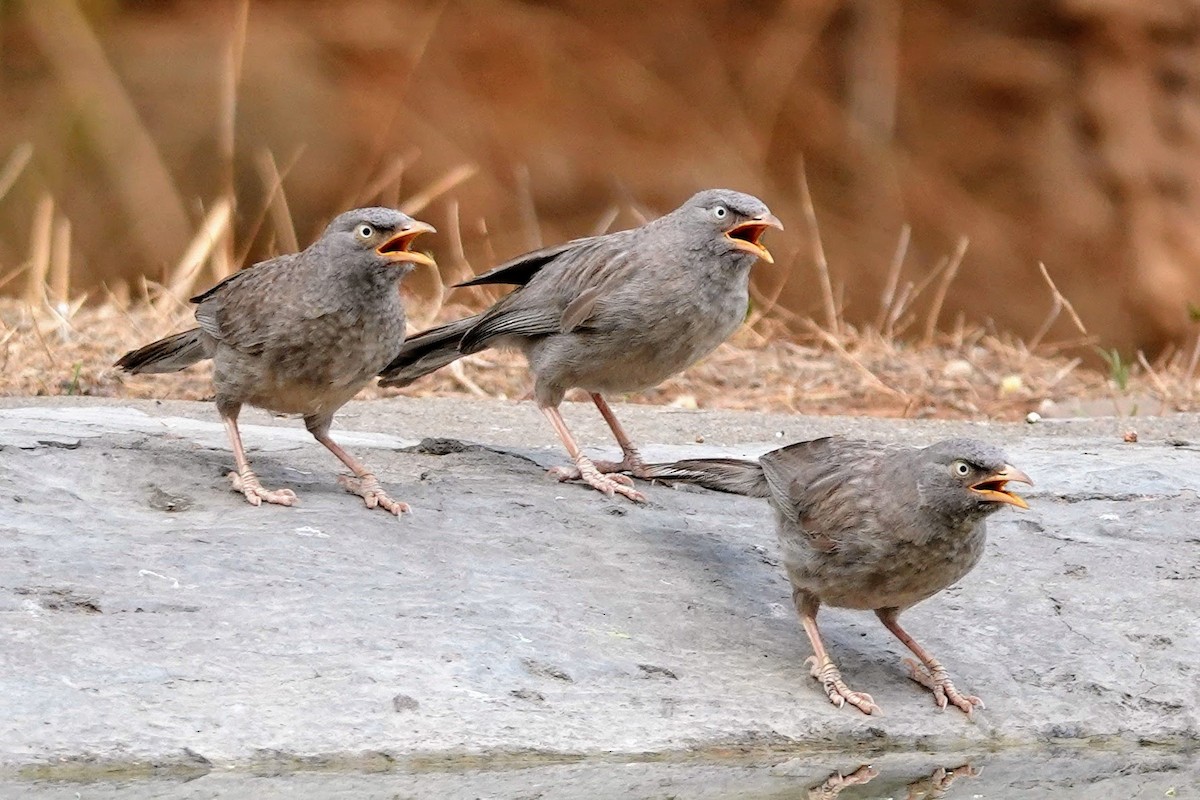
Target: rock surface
x,y
153,623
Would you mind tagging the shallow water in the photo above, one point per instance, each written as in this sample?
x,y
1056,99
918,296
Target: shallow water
x,y
1060,774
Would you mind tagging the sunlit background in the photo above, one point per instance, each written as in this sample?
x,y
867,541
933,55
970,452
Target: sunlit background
x,y
1062,132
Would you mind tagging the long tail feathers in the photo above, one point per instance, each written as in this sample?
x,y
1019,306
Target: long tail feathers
x,y
166,355
722,474
426,352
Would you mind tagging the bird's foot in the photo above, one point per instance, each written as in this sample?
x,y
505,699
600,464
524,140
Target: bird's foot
x,y
832,786
938,783
247,483
610,484
837,690
937,680
635,467
367,487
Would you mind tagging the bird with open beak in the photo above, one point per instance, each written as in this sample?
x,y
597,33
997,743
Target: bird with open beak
x,y
869,526
612,314
301,334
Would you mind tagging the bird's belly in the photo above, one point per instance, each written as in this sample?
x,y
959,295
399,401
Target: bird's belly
x,y
629,359
903,576
291,397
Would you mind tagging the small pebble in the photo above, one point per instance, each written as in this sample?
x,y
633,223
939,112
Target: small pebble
x,y
1130,436
1033,417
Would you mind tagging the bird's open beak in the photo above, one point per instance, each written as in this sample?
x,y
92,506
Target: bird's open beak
x,y
399,247
994,488
746,235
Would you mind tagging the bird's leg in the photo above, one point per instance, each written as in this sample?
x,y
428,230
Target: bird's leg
x,y
832,786
363,483
821,665
929,673
244,480
585,470
631,460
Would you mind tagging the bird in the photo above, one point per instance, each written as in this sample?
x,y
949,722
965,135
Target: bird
x,y
301,334
619,312
871,526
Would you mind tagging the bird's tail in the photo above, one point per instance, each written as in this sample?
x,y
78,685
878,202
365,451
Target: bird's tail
x,y
166,355
722,474
426,352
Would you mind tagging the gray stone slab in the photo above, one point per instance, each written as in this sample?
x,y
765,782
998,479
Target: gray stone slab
x,y
151,619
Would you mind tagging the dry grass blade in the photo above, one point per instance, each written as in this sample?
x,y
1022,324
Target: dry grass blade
x,y
277,204
182,282
893,277
832,321
137,171
528,209
417,203
41,237
1061,303
858,366
1164,393
606,220
60,264
222,255
389,176
13,168
939,298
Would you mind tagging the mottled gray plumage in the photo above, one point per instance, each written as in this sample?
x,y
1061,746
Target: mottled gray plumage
x,y
870,526
614,313
301,334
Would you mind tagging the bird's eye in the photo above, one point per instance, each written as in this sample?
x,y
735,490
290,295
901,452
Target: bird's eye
x,y
365,231
960,468
719,212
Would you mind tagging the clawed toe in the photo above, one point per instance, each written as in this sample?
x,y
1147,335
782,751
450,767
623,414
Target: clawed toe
x,y
367,487
938,783
836,689
610,483
247,483
832,786
945,693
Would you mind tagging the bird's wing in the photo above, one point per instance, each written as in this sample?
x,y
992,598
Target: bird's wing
x,y
824,487
242,310
520,270
564,289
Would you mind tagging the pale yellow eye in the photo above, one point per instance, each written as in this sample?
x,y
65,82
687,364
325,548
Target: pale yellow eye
x,y
960,468
365,231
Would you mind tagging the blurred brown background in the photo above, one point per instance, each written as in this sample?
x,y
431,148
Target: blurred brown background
x,y
1063,131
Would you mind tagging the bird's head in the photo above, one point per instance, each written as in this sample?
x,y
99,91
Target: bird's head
x,y
385,233
967,477
735,222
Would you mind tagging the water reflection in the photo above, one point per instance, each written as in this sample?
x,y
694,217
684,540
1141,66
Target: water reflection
x,y
928,787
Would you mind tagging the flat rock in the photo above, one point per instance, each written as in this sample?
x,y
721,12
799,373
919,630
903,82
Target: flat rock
x,y
153,623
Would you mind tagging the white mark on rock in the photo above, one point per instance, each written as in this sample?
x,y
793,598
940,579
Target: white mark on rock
x,y
1110,517
144,572
308,530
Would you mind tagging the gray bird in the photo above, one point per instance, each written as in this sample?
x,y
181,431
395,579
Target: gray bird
x,y
301,334
871,526
614,313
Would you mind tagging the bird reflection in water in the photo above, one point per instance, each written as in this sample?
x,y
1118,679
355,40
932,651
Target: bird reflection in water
x,y
930,787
